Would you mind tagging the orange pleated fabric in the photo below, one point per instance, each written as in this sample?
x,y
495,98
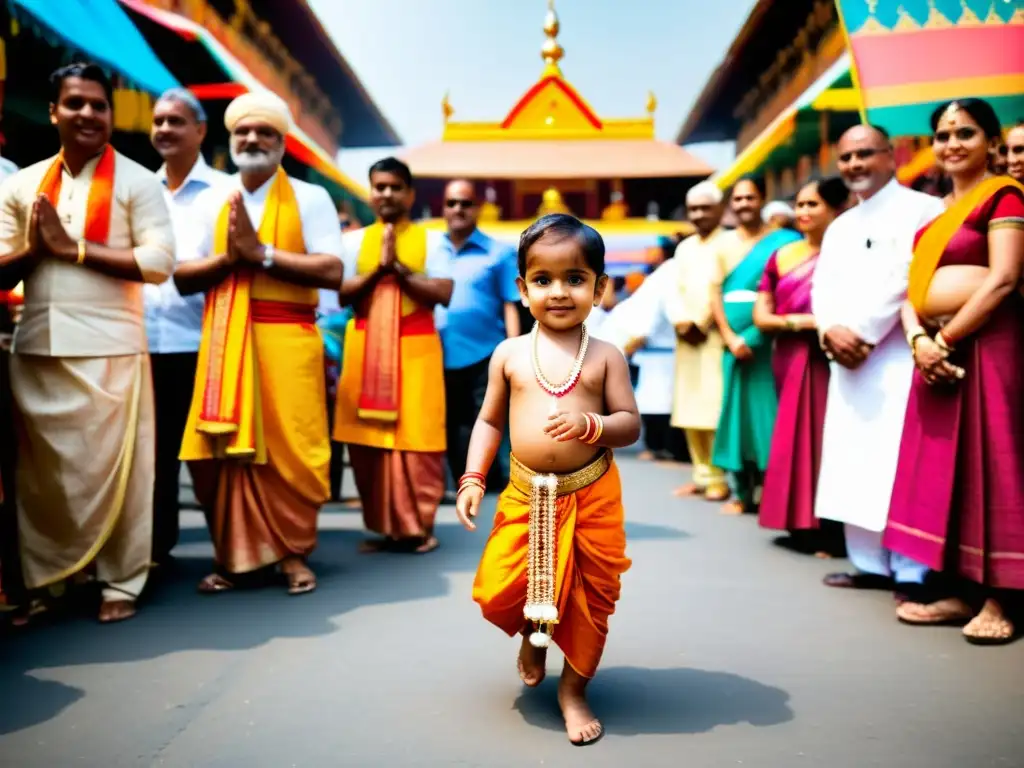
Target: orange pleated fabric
x,y
591,557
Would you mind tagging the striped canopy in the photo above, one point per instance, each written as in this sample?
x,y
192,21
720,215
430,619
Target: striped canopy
x,y
912,55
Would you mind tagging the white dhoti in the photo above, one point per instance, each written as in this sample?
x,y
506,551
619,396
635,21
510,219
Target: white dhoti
x,y
864,549
861,439
860,451
86,456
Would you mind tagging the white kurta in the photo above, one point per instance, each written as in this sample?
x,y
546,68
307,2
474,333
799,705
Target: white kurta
x,y
861,282
684,283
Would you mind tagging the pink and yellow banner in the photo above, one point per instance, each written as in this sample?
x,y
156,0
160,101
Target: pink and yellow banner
x,y
909,56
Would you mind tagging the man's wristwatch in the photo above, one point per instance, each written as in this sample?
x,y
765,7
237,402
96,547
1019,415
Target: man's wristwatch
x,y
268,256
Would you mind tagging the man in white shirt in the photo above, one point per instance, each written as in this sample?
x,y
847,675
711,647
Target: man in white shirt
x,y
174,323
859,287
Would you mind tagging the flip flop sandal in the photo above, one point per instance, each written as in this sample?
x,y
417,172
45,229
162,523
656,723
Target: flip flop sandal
x,y
858,581
119,616
984,640
300,584
948,619
214,584
427,546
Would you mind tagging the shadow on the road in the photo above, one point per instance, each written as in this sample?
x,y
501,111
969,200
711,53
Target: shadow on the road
x,y
28,701
173,617
633,700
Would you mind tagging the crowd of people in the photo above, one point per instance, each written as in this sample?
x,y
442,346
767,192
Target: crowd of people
x,y
849,370
860,384
189,316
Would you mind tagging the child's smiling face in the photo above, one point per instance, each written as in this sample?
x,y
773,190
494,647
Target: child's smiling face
x,y
559,288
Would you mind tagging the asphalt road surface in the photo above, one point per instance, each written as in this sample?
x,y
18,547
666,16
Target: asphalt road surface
x,y
725,651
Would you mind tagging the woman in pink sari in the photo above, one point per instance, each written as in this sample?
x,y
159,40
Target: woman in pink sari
x,y
958,500
783,309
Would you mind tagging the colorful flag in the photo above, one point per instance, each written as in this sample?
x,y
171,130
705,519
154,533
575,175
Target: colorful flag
x,y
912,55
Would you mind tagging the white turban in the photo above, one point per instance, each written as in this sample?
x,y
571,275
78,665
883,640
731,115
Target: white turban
x,y
263,106
705,192
777,208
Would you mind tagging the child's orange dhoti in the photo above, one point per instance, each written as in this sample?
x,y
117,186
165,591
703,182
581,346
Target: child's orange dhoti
x,y
589,555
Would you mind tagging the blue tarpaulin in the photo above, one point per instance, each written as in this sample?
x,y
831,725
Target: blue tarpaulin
x,y
102,30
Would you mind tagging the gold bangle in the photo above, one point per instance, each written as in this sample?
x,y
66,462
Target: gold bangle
x,y
81,251
943,343
592,439
914,335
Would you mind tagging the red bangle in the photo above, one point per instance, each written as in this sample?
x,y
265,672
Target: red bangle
x,y
591,426
473,475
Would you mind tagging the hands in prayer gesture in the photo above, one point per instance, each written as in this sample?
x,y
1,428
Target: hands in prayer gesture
x,y
243,241
388,255
564,426
46,234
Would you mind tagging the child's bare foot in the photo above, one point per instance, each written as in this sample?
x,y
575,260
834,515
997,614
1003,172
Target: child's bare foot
x,y
531,663
582,727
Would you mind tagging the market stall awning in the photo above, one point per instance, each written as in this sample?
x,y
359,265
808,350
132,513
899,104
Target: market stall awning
x,y
102,30
240,80
820,96
554,159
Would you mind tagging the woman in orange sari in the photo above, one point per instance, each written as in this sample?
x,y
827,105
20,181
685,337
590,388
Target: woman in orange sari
x,y
783,310
958,500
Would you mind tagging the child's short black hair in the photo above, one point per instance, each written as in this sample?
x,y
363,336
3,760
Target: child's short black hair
x,y
560,226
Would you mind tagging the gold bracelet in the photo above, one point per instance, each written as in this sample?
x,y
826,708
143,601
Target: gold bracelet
x,y
81,251
914,334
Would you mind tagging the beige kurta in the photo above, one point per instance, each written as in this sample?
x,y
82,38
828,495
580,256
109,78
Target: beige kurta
x,y
81,386
698,384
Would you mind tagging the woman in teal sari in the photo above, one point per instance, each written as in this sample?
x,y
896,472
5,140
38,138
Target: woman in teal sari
x,y
744,435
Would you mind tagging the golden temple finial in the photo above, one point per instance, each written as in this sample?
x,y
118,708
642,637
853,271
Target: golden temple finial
x,y
652,103
446,108
552,52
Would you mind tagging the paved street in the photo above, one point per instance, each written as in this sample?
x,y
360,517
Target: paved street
x,y
725,651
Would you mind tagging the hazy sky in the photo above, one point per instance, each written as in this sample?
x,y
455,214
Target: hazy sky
x,y
486,54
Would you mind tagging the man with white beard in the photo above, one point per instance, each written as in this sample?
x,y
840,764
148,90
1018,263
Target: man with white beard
x,y
257,430
860,284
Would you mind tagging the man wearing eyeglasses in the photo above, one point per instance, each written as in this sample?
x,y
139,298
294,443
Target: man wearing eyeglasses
x,y
483,312
860,284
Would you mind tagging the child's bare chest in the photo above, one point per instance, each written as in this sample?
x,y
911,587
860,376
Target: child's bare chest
x,y
527,392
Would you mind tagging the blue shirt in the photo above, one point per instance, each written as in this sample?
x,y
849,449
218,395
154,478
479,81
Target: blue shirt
x,y
473,325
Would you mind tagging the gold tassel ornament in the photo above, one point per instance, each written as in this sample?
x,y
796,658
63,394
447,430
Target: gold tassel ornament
x,y
541,608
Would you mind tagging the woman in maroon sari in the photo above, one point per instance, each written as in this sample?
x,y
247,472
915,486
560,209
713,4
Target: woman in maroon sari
x,y
958,500
783,309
